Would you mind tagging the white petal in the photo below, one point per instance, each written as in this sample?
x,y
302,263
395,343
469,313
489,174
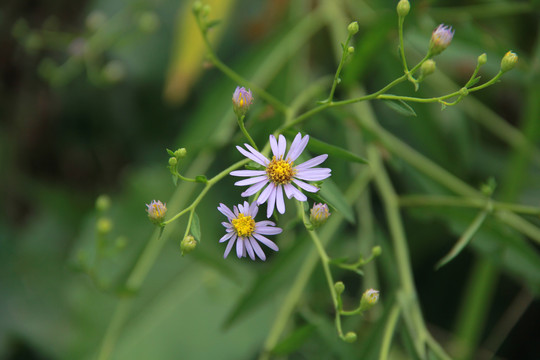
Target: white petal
x,y
280,204
268,230
312,162
288,190
258,154
313,174
297,193
294,144
265,223
274,146
253,189
258,158
229,246
306,186
253,210
295,153
247,173
282,144
247,245
228,236
250,181
271,202
225,211
266,242
265,194
240,247
257,248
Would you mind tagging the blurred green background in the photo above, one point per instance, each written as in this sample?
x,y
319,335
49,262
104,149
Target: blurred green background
x,y
93,92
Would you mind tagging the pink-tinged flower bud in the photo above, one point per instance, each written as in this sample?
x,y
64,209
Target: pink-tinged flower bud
x,y
318,215
508,62
440,39
369,299
156,211
241,99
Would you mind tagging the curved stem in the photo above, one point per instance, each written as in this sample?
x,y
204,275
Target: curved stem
x,y
391,323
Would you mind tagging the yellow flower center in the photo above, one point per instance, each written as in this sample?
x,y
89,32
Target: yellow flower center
x,y
243,225
280,171
241,100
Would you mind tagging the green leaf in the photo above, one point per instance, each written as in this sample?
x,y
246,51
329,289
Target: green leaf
x,y
170,152
196,227
201,179
294,340
332,195
400,107
473,82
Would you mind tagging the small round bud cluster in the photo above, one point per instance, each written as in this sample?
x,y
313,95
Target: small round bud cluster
x,y
188,244
242,99
350,49
403,8
197,7
180,153
509,61
104,226
339,287
350,337
156,211
318,215
440,39
353,28
428,68
103,203
369,299
376,251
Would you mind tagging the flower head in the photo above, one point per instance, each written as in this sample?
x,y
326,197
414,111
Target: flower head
x,y
508,61
241,99
318,214
245,232
281,173
156,211
440,39
369,299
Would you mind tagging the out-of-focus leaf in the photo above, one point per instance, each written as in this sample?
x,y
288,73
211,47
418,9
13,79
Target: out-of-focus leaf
x,y
401,107
189,49
294,340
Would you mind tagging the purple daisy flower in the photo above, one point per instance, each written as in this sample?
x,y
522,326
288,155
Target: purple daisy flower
x,y
280,173
245,232
441,39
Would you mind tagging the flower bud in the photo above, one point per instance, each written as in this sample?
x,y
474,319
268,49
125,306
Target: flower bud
x,y
509,61
241,99
104,226
156,211
180,153
350,49
350,337
440,39
428,67
376,251
319,214
339,287
103,203
353,28
173,161
482,59
188,244
403,8
369,299
197,7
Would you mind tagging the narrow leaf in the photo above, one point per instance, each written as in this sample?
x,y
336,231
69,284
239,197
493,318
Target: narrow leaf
x,y
400,107
170,152
196,227
464,240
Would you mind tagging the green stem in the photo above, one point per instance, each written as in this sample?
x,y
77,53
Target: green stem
x,y
401,20
391,323
246,134
340,66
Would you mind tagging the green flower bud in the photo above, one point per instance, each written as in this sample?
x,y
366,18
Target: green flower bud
x,y
188,244
350,49
350,337
509,61
197,7
180,153
353,28
173,161
339,287
369,299
482,59
428,67
104,226
403,8
376,251
206,10
103,203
